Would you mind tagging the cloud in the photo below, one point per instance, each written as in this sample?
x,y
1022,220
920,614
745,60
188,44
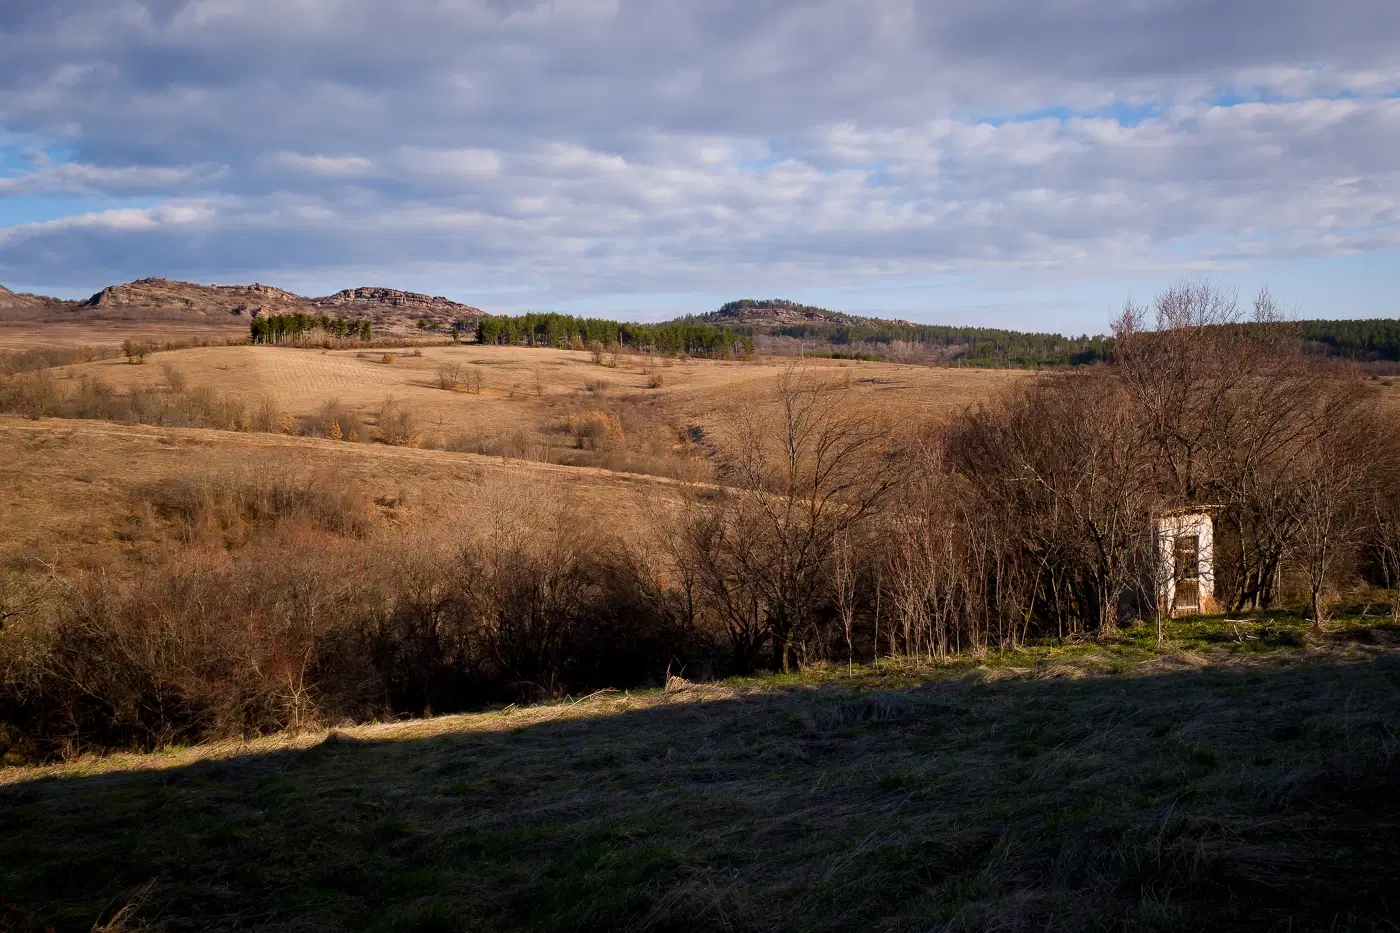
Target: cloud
x,y
607,147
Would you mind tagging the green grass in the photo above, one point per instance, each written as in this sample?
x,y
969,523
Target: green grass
x,y
1239,779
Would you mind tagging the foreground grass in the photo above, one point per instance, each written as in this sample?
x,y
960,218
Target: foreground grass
x,y
1241,778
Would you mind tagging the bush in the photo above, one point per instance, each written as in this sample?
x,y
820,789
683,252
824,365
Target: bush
x,y
305,626
336,422
397,426
449,376
595,430
228,508
135,351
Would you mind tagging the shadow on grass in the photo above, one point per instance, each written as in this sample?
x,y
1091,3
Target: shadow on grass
x,y
1240,797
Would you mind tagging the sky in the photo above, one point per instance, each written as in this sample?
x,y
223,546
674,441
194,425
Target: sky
x,y
1000,162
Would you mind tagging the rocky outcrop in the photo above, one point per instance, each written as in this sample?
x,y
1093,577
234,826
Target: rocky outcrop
x,y
391,311
378,303
156,295
21,306
780,312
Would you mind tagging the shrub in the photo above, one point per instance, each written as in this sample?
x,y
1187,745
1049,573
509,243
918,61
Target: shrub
x,y
174,379
135,351
337,422
595,430
397,426
449,375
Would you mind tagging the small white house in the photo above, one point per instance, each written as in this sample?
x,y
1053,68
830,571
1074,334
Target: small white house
x,y
1185,548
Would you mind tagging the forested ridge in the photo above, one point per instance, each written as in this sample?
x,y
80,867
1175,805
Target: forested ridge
x,y
687,336
740,326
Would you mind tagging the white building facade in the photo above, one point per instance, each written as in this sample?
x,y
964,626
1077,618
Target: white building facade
x,y
1185,548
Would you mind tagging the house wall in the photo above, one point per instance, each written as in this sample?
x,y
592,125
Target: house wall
x,y
1168,529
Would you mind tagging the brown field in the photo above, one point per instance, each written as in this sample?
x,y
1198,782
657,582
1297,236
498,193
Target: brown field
x,y
48,334
68,488
535,390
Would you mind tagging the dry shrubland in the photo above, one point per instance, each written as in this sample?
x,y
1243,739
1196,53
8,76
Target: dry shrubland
x,y
820,534
284,599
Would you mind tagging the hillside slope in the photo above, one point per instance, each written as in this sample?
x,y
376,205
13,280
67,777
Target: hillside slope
x,y
391,311
21,306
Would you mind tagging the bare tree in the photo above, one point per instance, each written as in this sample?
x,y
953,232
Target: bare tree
x,y
1228,406
1065,463
803,471
1336,481
843,575
449,374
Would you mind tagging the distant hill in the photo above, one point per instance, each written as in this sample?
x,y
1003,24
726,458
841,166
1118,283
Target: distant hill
x,y
780,312
773,322
776,322
389,310
20,306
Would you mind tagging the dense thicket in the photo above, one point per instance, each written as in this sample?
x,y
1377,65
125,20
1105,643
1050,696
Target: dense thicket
x,y
563,331
297,328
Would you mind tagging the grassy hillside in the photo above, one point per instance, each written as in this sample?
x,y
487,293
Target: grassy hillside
x,y
527,403
1240,779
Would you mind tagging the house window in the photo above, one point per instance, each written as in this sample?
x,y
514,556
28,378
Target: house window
x,y
1186,563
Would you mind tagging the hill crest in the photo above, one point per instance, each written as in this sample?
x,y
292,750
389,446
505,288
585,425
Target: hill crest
x,y
782,312
389,310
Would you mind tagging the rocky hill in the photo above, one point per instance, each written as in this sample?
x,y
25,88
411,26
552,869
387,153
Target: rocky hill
x,y
390,311
780,312
152,296
389,307
19,306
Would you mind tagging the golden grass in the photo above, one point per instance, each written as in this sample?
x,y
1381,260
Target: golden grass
x,y
67,487
536,389
32,335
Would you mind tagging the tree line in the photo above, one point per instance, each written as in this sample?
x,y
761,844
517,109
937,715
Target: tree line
x,y
1368,340
565,331
296,328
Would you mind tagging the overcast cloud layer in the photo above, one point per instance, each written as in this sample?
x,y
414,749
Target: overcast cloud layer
x,y
607,149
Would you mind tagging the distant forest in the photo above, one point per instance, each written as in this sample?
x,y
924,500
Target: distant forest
x,y
1370,340
985,346
292,328
562,330
850,336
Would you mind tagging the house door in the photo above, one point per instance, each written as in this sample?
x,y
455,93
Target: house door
x,y
1186,566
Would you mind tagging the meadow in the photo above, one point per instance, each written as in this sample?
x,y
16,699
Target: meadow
x,y
721,644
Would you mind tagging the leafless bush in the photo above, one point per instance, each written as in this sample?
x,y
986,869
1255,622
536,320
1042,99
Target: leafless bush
x,y
174,379
12,362
34,395
301,626
135,350
449,376
336,421
595,430
266,416
397,426
227,508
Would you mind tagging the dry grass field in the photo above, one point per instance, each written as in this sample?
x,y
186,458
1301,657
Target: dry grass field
x,y
49,334
521,401
1237,776
69,489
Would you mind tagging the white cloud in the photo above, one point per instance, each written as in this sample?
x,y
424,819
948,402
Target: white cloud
x,y
606,146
